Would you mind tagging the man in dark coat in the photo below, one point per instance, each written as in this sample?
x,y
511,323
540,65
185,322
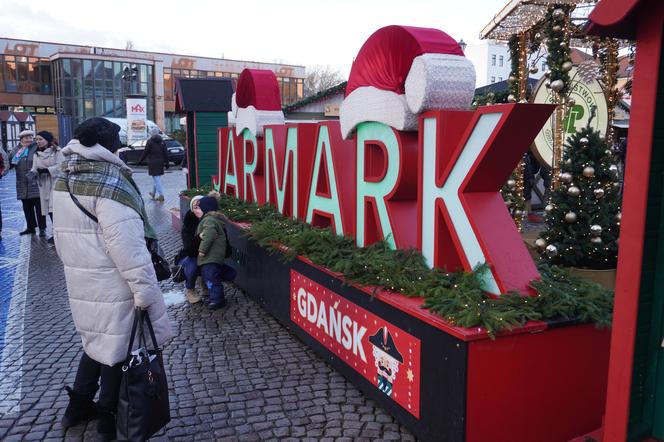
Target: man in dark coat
x,y
27,186
157,156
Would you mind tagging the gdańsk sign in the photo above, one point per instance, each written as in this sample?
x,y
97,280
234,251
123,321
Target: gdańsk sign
x,y
587,94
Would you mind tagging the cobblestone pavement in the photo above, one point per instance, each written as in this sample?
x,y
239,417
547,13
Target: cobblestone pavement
x,y
234,374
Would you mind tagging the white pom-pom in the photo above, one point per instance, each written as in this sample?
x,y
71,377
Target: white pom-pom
x,y
440,81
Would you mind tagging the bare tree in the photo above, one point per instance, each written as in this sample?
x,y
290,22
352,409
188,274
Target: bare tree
x,y
130,45
318,78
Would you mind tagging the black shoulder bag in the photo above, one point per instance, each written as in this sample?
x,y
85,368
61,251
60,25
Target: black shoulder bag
x,y
161,268
143,407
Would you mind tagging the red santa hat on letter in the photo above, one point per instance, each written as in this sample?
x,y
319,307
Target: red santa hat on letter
x,y
256,101
402,71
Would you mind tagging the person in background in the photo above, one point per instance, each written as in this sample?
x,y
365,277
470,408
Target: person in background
x,y
531,168
46,166
212,249
27,188
4,169
157,156
107,266
188,256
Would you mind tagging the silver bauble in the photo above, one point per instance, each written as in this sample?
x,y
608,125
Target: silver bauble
x,y
613,169
568,161
584,141
596,240
557,85
566,177
523,100
589,171
511,98
616,185
534,69
511,79
573,191
540,243
608,152
551,250
538,36
599,193
558,14
547,74
571,102
596,230
563,44
547,84
567,66
618,217
548,209
556,28
571,217
511,184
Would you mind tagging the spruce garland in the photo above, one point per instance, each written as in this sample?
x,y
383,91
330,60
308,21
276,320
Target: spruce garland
x,y
455,296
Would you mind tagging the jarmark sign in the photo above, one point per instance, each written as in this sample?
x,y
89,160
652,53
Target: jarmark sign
x,y
586,95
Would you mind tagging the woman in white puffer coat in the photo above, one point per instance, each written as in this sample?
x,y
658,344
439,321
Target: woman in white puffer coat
x,y
107,266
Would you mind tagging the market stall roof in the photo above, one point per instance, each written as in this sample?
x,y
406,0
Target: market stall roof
x,y
519,16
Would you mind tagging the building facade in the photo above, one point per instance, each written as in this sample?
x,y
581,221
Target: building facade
x,y
87,81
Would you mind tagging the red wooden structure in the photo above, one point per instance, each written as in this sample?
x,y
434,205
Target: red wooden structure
x,y
635,394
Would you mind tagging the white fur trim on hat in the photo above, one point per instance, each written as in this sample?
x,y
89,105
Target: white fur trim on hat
x,y
26,133
255,120
440,81
368,103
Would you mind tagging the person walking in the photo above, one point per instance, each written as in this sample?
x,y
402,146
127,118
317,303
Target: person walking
x,y
212,250
157,156
4,169
27,189
107,266
46,166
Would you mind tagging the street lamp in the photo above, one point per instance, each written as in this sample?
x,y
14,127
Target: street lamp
x,y
462,45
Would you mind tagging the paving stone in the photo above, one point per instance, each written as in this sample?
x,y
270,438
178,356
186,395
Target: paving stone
x,y
234,374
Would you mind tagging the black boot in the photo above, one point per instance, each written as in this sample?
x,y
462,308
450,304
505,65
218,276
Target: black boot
x,y
80,409
106,425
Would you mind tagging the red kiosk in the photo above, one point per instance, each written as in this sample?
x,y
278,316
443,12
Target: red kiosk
x,y
635,396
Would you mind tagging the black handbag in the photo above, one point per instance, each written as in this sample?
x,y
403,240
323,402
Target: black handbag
x,y
161,268
143,407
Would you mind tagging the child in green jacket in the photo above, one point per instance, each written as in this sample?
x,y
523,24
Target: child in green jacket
x,y
212,249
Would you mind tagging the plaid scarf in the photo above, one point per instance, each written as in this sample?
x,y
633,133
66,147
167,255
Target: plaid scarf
x,y
104,180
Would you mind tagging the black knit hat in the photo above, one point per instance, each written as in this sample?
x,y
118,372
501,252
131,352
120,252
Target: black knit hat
x,y
46,135
208,204
98,130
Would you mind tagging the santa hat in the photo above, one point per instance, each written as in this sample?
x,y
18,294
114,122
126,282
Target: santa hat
x,y
402,71
384,341
257,101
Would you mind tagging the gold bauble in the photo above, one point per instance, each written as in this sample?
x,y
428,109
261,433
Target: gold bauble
x,y
511,98
558,14
613,169
557,85
556,28
511,184
566,177
595,230
548,209
573,191
589,171
599,193
596,240
571,102
567,66
571,217
540,243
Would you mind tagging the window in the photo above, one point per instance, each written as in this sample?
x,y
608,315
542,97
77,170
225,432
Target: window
x,y
500,78
493,79
493,60
543,66
500,61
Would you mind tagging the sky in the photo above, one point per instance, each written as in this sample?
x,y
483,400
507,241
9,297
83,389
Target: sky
x,y
300,32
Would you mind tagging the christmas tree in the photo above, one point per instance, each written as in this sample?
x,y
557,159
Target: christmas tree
x,y
583,216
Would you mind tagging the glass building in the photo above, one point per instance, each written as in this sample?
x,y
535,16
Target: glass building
x,y
84,81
